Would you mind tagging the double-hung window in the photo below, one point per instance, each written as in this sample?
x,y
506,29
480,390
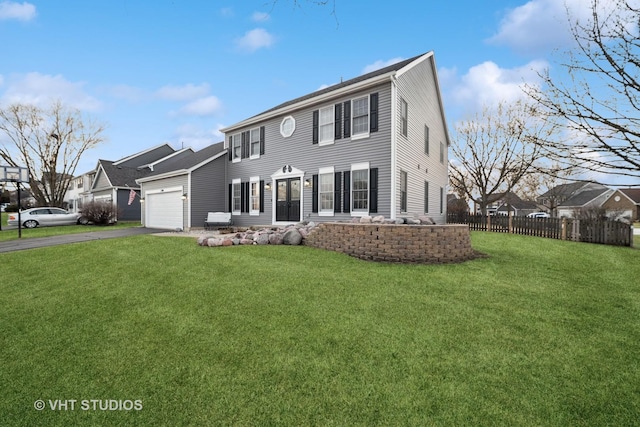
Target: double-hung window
x,y
326,191
360,117
326,127
360,188
404,116
236,147
254,194
426,140
403,191
441,153
254,144
236,196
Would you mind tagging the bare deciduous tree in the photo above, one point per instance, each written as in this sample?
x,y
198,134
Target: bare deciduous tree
x,y
495,150
599,102
49,142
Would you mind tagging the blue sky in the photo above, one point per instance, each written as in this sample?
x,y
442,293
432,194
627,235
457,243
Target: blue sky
x,y
178,71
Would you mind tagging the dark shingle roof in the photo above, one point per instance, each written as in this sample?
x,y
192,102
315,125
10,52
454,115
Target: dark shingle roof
x,y
394,67
189,161
632,193
122,176
584,197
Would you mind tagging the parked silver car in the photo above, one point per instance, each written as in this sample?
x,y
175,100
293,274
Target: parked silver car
x,y
43,217
539,215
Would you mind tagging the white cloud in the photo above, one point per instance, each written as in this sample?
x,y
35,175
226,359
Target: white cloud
x,y
128,93
540,26
21,12
255,39
380,64
41,89
260,17
202,107
183,93
190,135
487,84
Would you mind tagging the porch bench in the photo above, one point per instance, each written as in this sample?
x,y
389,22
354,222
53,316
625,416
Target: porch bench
x,y
217,219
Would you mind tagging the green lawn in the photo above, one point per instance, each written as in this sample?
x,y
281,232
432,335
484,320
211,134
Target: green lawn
x,y
541,332
12,234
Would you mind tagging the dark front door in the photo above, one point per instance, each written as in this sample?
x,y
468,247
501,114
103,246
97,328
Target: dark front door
x,y
288,202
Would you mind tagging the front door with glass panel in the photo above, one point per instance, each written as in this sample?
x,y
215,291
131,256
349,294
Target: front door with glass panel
x,y
288,200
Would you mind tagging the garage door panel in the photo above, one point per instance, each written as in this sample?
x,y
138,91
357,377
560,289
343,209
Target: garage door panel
x,y
164,210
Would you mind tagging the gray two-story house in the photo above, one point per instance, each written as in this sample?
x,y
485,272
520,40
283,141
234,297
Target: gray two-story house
x,y
373,145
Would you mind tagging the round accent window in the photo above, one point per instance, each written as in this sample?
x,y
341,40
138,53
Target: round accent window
x,y
287,126
617,198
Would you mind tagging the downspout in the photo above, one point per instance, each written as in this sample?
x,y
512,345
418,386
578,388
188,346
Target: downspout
x,y
188,201
394,103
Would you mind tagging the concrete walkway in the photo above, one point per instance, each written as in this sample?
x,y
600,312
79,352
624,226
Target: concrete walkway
x,y
41,242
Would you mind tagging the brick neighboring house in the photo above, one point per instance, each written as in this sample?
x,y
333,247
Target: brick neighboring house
x,y
559,194
624,204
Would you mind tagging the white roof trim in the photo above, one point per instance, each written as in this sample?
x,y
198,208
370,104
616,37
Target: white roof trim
x,y
140,153
179,172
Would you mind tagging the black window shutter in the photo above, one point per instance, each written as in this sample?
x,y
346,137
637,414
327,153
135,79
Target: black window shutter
x,y
337,197
230,149
230,198
316,121
346,205
373,118
243,206
261,143
261,189
247,193
314,192
347,119
243,147
373,190
338,121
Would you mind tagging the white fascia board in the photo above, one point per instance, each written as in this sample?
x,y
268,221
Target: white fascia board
x,y
133,156
162,176
311,101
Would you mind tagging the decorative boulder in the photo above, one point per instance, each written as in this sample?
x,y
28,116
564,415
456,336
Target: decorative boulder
x,y
246,241
275,239
227,242
378,219
214,242
426,220
292,237
261,239
365,219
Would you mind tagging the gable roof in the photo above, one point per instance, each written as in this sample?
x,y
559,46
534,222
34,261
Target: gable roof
x,y
145,157
632,193
584,197
360,82
120,176
186,164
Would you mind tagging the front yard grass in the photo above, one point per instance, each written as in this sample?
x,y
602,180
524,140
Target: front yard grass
x,y
12,234
541,332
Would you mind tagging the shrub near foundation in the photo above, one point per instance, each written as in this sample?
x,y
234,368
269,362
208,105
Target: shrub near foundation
x,y
100,213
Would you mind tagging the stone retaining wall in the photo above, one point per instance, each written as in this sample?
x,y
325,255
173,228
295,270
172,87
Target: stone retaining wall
x,y
429,244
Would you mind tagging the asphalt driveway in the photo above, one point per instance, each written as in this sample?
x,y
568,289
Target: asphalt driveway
x,y
41,242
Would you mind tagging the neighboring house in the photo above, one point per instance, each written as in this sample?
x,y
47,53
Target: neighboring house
x,y
180,192
78,192
114,180
583,201
503,203
557,195
373,145
623,204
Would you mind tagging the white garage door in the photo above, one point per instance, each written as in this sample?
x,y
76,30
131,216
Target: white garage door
x,y
164,210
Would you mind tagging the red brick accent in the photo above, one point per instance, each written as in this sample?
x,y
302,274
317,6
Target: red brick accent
x,y
424,244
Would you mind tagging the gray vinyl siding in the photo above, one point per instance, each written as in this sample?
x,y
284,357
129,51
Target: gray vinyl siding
x,y
102,181
176,181
128,212
299,152
418,87
208,191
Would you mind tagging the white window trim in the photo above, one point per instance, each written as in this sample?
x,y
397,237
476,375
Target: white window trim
x,y
254,180
362,135
233,185
252,155
358,167
283,132
233,144
326,171
333,124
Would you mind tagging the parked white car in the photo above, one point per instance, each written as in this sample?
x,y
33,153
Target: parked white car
x,y
538,215
43,217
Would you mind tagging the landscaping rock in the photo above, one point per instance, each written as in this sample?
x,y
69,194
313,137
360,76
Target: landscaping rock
x,y
366,219
292,237
378,219
262,239
275,239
